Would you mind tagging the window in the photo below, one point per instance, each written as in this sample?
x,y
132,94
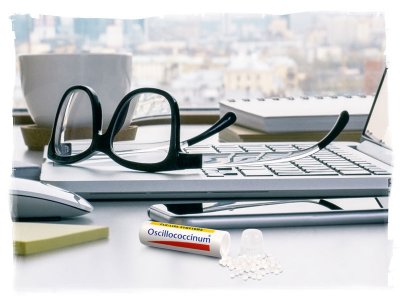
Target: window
x,y
202,59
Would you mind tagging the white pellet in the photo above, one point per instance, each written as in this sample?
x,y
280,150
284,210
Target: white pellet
x,y
251,267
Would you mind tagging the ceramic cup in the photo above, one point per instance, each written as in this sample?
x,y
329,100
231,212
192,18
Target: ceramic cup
x,y
45,78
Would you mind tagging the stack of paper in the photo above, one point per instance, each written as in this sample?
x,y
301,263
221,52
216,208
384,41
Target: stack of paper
x,y
237,133
302,114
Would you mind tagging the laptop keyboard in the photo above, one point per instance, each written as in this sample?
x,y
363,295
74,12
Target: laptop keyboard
x,y
331,161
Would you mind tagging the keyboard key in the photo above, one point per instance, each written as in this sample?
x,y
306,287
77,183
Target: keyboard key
x,y
293,173
200,149
322,173
381,172
229,149
283,148
355,172
212,173
249,172
314,170
256,148
229,171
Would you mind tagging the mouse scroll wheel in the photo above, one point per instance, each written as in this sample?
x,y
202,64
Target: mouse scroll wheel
x,y
77,198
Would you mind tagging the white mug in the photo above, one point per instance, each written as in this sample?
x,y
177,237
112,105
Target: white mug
x,y
45,78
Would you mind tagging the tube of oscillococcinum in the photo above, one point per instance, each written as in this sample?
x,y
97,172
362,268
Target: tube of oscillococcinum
x,y
183,238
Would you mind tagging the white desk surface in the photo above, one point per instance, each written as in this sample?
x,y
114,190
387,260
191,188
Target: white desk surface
x,y
356,256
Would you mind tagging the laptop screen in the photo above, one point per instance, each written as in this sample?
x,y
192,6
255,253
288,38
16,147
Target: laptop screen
x,y
377,127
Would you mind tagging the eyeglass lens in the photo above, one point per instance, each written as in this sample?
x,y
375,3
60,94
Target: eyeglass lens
x,y
150,144
74,131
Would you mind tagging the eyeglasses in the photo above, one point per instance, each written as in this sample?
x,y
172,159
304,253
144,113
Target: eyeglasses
x,y
154,155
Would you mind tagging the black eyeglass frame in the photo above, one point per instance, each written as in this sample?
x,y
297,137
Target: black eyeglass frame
x,y
174,160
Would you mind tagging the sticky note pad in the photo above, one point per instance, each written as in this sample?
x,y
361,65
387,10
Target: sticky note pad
x,y
30,238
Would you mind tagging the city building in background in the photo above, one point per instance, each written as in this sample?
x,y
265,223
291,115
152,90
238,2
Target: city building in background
x,y
203,59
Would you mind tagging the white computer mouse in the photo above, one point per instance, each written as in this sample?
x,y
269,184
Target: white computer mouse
x,y
33,199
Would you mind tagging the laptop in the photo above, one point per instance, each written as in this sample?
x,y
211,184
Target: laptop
x,y
342,169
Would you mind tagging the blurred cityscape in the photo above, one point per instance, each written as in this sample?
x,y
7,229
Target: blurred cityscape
x,y
203,59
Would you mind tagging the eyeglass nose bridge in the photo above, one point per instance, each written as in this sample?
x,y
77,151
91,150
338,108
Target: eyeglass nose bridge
x,y
102,143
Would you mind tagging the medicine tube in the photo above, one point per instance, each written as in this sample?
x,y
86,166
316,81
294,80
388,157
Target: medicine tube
x,y
183,238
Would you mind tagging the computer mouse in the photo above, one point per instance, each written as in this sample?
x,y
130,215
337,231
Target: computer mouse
x,y
32,199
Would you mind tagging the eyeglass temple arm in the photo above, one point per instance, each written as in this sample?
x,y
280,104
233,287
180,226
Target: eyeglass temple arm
x,y
335,131
227,120
230,118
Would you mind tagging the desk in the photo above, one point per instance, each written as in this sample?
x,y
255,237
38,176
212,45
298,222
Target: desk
x,y
312,257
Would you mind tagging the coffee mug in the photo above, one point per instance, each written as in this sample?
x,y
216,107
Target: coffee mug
x,y
45,78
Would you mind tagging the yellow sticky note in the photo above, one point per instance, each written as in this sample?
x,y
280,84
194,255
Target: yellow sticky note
x,y
30,238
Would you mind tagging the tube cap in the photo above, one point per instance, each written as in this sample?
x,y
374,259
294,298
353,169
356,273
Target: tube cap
x,y
252,242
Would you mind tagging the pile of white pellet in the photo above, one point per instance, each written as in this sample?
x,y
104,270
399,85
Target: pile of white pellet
x,y
252,262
